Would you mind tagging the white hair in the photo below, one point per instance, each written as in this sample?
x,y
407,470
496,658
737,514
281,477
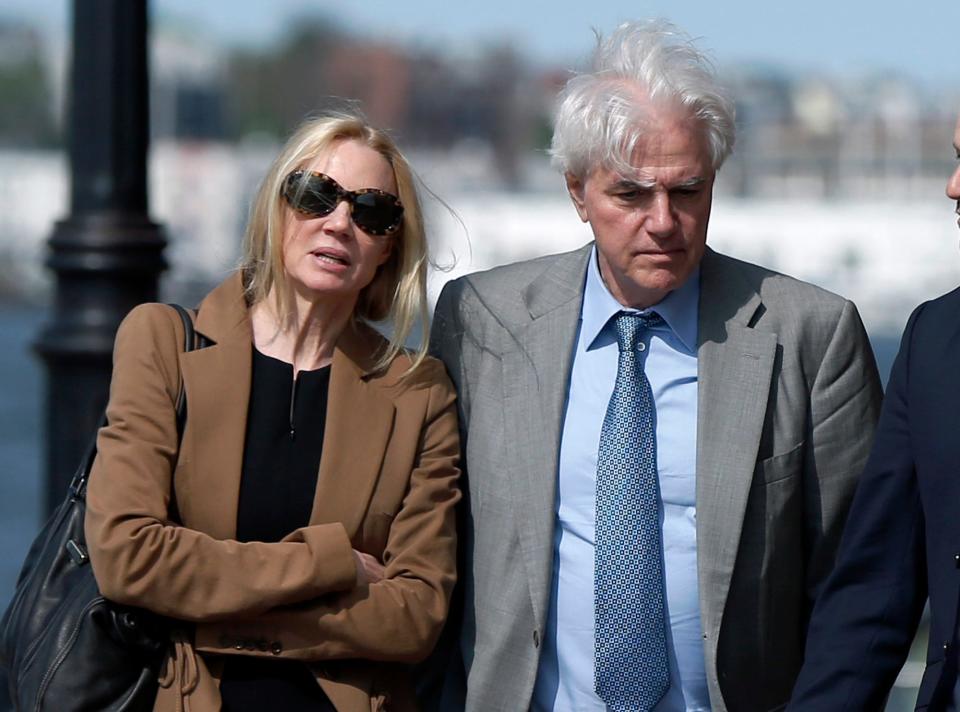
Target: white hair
x,y
640,68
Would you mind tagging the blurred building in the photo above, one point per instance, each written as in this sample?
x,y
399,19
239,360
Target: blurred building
x,y
829,179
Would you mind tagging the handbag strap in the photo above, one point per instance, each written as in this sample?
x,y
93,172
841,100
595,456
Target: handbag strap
x,y
191,342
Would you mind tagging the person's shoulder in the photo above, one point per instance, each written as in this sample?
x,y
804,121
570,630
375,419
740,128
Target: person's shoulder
x,y
501,294
409,379
148,321
779,289
935,319
405,372
944,307
516,276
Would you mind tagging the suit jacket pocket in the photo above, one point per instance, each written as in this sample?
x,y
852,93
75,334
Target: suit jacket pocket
x,y
779,467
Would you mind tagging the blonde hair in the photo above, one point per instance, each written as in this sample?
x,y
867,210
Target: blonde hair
x,y
399,288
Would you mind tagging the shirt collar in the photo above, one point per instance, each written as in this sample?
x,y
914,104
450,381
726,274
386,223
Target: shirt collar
x,y
679,309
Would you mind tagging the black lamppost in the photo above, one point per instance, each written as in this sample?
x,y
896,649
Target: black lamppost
x,y
107,253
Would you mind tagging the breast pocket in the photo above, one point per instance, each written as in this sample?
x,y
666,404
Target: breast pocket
x,y
778,467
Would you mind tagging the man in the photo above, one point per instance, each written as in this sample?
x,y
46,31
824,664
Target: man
x,y
660,442
903,538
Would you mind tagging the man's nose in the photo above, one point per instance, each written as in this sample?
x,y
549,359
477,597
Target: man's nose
x,y
660,219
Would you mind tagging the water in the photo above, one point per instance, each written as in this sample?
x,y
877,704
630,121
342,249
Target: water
x,y
20,440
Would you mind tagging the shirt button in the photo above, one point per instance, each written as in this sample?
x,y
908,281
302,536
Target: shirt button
x,y
641,346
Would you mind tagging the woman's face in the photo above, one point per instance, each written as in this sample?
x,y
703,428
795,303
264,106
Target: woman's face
x,y
330,256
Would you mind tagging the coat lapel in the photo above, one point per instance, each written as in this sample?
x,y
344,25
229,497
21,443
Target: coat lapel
x,y
217,383
536,374
735,364
359,422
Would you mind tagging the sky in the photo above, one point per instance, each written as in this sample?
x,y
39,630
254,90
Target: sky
x,y
846,38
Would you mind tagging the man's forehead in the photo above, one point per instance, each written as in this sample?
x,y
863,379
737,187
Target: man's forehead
x,y
680,146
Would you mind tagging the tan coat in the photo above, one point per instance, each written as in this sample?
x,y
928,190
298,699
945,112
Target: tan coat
x,y
386,486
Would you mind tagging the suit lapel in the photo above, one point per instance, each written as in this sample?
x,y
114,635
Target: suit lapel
x,y
358,426
536,371
217,383
735,365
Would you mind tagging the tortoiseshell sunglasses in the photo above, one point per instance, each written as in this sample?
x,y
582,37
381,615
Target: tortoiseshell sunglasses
x,y
316,194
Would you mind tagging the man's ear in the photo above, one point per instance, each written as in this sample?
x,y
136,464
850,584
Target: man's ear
x,y
577,189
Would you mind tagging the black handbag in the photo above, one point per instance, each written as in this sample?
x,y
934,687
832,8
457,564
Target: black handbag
x,y
64,646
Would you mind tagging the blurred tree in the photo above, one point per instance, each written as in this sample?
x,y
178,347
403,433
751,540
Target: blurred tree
x,y
272,91
26,116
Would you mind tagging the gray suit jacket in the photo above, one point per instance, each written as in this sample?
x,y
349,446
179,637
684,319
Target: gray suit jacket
x,y
788,399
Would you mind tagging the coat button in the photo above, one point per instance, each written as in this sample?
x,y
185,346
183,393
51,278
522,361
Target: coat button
x,y
956,560
276,648
536,639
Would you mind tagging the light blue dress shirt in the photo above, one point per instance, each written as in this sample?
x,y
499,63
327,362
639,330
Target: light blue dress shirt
x,y
565,676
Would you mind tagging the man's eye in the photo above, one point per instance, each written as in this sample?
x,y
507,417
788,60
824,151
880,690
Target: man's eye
x,y
687,191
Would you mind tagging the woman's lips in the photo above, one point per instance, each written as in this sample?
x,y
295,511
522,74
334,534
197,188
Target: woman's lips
x,y
331,257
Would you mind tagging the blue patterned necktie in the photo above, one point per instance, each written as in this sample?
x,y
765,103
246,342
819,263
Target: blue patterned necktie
x,y
631,671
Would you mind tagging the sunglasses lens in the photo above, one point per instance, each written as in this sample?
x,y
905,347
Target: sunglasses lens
x,y
377,213
318,196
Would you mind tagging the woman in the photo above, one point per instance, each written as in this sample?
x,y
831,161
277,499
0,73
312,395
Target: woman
x,y
314,487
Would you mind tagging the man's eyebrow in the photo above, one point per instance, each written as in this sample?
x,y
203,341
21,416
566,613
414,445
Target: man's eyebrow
x,y
689,183
634,184
650,184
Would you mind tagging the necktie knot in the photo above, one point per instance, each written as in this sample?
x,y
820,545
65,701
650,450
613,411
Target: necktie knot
x,y
630,325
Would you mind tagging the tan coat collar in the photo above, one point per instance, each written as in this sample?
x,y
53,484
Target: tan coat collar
x,y
360,416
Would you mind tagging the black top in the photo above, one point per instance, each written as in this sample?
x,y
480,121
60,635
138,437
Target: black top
x,y
281,459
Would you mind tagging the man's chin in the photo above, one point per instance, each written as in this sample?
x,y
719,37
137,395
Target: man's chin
x,y
663,279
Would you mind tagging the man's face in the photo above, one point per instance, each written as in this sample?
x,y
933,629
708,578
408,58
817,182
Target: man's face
x,y
651,226
953,185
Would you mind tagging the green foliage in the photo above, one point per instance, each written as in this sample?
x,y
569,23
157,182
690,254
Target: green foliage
x,y
26,118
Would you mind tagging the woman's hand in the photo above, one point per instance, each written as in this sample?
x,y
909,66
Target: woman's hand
x,y
369,570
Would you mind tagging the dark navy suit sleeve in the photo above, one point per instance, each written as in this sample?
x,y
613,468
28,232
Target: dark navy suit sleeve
x,y
866,616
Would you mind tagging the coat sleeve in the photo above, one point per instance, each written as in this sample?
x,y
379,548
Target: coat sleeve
x,y
139,556
865,618
400,617
845,403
